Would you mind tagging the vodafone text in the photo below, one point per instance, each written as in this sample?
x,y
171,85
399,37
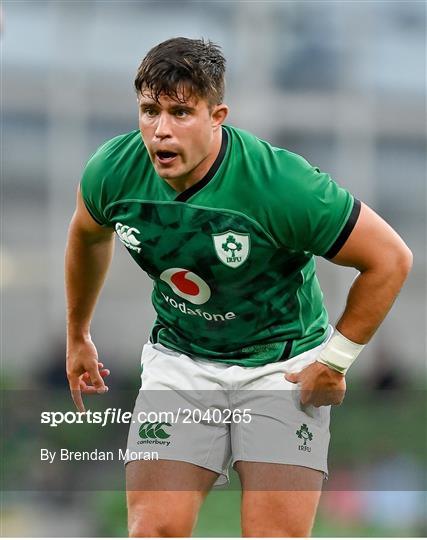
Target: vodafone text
x,y
182,306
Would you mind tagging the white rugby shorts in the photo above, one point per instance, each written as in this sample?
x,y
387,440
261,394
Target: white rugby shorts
x,y
213,414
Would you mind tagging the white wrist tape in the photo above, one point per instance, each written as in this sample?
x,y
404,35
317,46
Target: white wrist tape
x,y
340,353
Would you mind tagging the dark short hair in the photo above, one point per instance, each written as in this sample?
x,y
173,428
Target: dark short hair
x,y
182,67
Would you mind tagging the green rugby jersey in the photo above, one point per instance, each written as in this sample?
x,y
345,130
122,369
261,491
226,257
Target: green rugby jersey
x,y
231,257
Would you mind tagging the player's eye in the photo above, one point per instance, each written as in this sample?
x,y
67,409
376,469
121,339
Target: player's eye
x,y
149,111
181,113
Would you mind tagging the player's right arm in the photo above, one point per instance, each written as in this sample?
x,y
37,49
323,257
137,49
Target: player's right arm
x,y
87,258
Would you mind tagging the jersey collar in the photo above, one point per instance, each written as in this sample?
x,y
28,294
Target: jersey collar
x,y
192,190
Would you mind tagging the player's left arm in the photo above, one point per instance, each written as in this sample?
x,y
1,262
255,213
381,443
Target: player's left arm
x,y
384,261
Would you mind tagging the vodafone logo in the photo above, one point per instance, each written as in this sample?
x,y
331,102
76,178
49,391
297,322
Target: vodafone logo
x,y
187,285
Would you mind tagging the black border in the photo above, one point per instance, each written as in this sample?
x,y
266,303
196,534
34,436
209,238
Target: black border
x,y
192,190
287,350
345,233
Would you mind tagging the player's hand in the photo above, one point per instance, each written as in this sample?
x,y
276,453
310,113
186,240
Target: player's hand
x,y
84,372
319,385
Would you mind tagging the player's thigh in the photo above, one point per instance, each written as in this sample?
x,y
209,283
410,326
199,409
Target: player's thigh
x,y
278,500
164,497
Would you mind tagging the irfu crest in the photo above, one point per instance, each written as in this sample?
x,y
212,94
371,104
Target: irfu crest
x,y
304,433
232,248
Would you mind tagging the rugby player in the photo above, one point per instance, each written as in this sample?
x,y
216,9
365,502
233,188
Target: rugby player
x,y
227,226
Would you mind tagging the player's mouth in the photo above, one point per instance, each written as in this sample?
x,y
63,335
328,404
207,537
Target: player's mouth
x,y
165,157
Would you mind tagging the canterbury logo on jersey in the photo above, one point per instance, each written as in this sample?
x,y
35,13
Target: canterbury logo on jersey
x,y
127,236
154,430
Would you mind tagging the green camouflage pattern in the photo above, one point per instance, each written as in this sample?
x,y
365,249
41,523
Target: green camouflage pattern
x,y
233,266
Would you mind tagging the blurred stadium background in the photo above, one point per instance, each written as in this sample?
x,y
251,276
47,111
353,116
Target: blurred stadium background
x,y
343,84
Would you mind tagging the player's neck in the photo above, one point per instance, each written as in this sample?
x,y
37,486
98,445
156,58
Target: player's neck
x,y
198,173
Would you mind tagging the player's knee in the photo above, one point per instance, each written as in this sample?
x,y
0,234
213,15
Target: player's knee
x,y
159,528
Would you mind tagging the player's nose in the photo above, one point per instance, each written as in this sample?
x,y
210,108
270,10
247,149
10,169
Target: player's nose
x,y
163,126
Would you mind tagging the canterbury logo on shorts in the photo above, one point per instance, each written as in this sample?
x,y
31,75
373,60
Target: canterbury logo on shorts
x,y
154,430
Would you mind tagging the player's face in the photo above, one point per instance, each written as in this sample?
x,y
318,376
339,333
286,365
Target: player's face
x,y
180,136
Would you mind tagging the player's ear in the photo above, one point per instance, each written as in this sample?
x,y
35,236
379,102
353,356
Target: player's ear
x,y
218,115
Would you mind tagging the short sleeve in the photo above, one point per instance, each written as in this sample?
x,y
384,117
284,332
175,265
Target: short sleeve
x,y
311,211
92,188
